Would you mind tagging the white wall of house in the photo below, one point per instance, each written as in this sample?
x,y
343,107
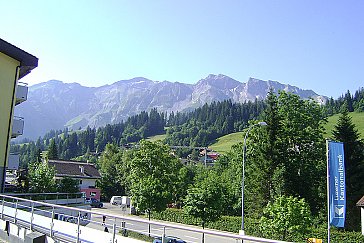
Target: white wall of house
x,y
86,183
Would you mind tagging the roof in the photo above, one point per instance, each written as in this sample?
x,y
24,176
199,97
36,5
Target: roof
x,y
27,61
360,203
69,168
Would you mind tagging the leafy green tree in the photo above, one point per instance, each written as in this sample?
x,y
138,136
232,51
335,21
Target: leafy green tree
x,y
52,150
345,131
205,200
153,173
287,218
112,180
183,181
68,185
230,168
41,178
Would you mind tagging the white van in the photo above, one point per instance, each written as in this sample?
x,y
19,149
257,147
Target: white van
x,y
126,201
116,200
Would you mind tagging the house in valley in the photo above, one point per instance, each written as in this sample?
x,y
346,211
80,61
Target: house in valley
x,y
85,173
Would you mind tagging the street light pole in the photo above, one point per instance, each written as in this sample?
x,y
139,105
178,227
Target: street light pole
x,y
242,231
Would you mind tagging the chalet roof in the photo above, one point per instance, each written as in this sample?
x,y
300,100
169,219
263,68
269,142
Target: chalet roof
x,y
27,61
69,168
360,203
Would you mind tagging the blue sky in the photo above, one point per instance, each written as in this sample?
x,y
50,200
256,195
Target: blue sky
x,y
311,44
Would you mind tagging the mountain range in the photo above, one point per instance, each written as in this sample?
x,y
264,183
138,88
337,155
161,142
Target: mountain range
x,y
56,105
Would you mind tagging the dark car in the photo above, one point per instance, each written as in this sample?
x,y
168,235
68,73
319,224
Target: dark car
x,y
94,202
168,239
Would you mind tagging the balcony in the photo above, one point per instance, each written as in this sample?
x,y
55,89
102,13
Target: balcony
x,y
13,161
18,127
21,93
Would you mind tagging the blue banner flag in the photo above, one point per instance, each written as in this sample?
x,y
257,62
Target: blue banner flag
x,y
337,190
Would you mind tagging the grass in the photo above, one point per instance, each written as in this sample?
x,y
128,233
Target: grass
x,y
357,118
224,143
74,121
155,138
139,236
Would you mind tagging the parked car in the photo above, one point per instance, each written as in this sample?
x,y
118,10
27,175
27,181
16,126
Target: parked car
x,y
116,200
94,202
168,239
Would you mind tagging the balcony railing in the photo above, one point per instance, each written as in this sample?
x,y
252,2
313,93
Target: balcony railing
x,y
18,127
21,93
13,161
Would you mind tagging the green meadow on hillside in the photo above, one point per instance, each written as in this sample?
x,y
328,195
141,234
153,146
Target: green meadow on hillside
x,y
357,118
224,143
155,138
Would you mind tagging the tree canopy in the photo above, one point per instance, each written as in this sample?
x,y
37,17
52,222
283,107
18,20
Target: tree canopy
x,y
41,178
153,172
112,168
204,200
284,217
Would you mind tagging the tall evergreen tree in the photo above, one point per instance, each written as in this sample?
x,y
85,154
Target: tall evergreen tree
x,y
349,100
345,131
52,150
271,155
288,157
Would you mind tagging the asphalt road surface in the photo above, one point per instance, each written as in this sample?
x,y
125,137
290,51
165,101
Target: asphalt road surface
x,y
188,236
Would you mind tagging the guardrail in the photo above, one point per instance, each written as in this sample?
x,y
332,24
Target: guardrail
x,y
67,224
54,198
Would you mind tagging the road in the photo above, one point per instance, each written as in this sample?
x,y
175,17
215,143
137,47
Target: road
x,y
188,236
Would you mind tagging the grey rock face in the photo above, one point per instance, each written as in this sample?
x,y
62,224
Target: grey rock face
x,y
56,105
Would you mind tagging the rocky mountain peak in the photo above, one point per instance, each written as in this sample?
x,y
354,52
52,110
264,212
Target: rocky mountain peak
x,y
54,104
219,81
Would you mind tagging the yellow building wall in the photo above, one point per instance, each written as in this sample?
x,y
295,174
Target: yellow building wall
x,y
7,78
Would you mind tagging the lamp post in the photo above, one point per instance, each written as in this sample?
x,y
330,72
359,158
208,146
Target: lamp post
x,y
242,232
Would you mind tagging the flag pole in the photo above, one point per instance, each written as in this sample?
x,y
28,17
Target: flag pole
x,y
328,191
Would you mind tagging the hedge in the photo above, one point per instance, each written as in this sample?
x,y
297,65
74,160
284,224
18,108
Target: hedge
x,y
233,224
225,223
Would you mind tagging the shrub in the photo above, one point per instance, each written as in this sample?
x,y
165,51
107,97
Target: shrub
x,y
233,224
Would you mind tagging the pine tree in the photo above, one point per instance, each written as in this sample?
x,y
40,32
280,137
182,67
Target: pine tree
x,y
52,150
345,131
349,101
287,157
272,154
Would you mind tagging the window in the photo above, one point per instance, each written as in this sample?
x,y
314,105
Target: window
x,y
80,182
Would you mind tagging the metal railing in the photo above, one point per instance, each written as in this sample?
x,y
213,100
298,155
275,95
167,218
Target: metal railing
x,y
21,93
17,126
69,224
45,197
